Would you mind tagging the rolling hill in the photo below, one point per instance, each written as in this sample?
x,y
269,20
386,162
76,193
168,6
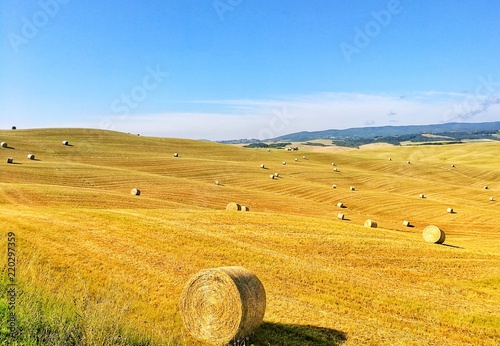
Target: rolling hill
x,y
99,266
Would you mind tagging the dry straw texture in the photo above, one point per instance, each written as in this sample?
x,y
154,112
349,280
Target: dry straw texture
x,y
31,156
370,223
3,145
135,192
222,304
340,216
449,210
433,234
406,223
233,206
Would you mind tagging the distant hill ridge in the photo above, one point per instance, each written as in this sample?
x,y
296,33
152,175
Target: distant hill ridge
x,y
387,131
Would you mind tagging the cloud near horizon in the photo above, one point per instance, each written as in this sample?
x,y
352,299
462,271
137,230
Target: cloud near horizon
x,y
263,119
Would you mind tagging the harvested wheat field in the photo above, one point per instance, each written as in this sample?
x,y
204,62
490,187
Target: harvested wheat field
x,y
97,265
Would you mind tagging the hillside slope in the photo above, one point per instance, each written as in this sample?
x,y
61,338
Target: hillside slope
x,y
82,237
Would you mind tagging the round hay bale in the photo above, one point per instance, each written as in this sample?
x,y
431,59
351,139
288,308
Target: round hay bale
x,y
452,166
262,166
176,154
370,223
268,150
335,169
305,158
352,188
334,186
406,223
233,206
449,210
492,199
408,162
333,164
340,216
276,175
433,234
421,195
296,159
340,205
14,128
65,142
10,160
31,156
284,163
390,159
217,182
271,176
218,305
4,145
244,208
486,187
135,192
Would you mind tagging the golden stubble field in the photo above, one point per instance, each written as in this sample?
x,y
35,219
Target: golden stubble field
x,y
87,246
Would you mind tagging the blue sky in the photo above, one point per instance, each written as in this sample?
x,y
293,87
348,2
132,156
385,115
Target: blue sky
x,y
225,69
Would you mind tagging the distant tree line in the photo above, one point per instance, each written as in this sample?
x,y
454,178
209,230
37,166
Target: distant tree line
x,y
265,145
447,138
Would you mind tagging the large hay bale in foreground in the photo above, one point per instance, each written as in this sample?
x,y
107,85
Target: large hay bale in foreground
x,y
222,304
10,160
135,192
340,216
31,156
433,234
370,223
4,145
233,206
